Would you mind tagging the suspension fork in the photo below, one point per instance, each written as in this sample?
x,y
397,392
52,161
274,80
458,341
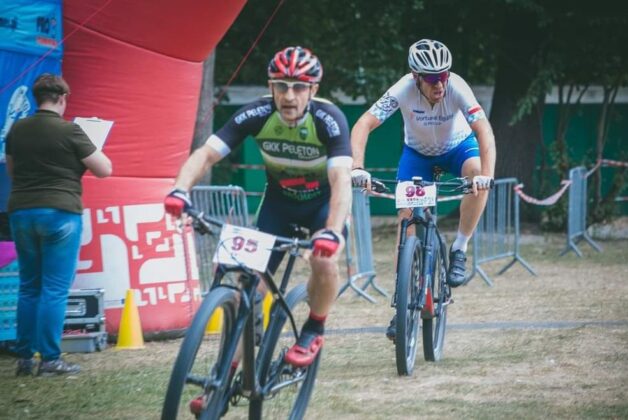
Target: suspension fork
x,y
403,235
278,293
426,301
426,232
246,321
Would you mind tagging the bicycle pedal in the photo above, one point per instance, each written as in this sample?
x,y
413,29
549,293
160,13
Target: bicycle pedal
x,y
197,405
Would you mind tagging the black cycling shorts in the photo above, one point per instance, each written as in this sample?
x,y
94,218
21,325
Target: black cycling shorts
x,y
276,215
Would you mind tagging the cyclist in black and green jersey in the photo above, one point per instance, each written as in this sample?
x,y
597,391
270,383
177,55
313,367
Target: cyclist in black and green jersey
x,y
305,144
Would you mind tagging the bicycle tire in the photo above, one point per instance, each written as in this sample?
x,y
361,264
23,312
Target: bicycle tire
x,y
202,355
434,328
409,271
291,401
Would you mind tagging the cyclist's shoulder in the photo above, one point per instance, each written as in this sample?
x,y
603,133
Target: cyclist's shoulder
x,y
457,83
402,88
326,112
262,107
318,103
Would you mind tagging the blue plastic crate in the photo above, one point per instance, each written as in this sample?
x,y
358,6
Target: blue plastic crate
x,y
11,267
9,287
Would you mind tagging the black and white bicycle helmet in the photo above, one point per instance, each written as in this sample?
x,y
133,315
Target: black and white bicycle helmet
x,y
429,56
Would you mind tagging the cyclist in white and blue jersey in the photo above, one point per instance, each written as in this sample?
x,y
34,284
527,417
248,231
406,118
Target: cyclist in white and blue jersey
x,y
444,126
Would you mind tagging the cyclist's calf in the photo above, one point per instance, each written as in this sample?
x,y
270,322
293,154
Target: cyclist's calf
x,y
324,281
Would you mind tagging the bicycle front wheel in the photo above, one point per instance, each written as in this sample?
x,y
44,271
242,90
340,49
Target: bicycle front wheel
x,y
434,328
408,275
286,390
200,373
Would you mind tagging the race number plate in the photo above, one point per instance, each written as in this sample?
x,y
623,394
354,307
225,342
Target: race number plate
x,y
408,195
242,246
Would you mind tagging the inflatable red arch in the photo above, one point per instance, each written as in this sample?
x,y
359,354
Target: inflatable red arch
x,y
139,64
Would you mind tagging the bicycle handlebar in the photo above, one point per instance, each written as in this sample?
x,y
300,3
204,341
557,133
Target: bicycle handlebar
x,y
457,184
203,224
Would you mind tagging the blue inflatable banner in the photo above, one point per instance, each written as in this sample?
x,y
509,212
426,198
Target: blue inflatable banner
x,y
28,30
17,101
31,26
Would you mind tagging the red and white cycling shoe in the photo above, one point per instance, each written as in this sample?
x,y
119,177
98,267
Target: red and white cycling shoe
x,y
305,350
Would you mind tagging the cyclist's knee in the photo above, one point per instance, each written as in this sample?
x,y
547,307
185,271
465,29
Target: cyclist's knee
x,y
471,167
403,214
324,267
262,288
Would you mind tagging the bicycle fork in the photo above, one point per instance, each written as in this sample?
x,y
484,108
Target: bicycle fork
x,y
426,299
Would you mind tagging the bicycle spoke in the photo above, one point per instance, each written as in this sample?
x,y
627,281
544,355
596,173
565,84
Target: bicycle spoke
x,y
434,329
286,390
407,305
199,378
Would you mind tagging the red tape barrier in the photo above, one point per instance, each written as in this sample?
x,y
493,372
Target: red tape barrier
x,y
551,200
607,163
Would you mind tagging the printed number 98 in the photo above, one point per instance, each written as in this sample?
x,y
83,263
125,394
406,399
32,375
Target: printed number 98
x,y
414,190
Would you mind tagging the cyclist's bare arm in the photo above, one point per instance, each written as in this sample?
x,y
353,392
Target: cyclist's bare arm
x,y
340,201
359,136
486,141
196,166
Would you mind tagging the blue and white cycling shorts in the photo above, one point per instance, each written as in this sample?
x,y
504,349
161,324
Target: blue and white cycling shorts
x,y
413,163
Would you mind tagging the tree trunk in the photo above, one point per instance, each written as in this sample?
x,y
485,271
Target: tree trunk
x,y
205,112
516,143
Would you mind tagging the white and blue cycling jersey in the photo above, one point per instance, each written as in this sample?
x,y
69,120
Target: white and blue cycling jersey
x,y
431,130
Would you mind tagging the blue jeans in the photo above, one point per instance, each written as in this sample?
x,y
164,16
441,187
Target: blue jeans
x,y
47,242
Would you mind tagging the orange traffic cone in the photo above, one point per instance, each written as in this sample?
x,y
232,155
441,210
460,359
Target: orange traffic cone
x,y
214,326
266,305
130,331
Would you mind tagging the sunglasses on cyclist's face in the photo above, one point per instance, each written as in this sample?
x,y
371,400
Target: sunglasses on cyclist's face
x,y
432,79
281,86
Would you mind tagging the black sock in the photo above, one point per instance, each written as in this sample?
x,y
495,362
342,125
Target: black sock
x,y
315,324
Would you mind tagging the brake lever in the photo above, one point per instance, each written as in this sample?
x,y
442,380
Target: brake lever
x,y
378,186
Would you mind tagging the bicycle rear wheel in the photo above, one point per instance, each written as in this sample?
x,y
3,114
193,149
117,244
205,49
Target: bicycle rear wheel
x,y
434,328
286,390
409,272
202,365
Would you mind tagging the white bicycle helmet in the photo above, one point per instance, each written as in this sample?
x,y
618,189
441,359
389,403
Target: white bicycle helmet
x,y
429,56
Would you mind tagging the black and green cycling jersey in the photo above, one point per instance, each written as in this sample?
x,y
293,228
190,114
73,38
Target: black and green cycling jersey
x,y
296,158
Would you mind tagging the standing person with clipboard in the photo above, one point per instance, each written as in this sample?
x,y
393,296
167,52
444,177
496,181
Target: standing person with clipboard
x,y
46,159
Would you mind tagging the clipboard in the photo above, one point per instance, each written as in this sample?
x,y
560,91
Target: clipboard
x,y
96,129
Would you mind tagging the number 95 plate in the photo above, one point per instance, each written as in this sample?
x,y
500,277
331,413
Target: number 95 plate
x,y
408,195
242,246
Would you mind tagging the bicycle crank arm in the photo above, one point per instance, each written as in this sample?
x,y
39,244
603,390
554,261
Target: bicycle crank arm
x,y
284,384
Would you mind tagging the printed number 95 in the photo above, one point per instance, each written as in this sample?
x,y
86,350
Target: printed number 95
x,y
249,245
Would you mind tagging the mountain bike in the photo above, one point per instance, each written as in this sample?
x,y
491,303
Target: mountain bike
x,y
204,371
421,289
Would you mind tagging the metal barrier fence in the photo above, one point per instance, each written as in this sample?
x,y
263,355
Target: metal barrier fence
x,y
226,203
359,248
577,218
497,234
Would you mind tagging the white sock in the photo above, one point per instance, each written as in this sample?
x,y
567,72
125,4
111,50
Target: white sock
x,y
461,242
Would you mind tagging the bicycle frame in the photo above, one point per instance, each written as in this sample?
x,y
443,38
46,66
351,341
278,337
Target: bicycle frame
x,y
425,225
245,322
263,372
